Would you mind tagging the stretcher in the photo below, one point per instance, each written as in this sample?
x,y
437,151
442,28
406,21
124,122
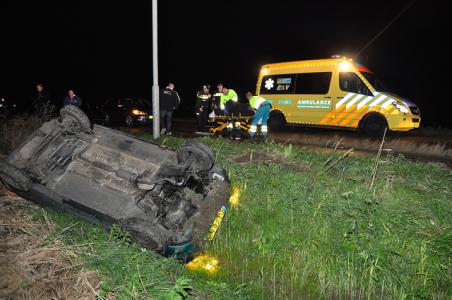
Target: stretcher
x,y
235,122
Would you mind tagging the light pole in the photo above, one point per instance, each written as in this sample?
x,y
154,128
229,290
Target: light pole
x,y
155,74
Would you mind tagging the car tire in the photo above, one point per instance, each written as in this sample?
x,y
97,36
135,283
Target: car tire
x,y
277,121
374,125
13,178
201,156
77,115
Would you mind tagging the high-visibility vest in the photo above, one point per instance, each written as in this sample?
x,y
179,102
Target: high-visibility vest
x,y
256,101
231,95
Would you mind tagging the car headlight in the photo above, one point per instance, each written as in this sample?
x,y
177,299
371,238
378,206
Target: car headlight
x,y
400,107
137,112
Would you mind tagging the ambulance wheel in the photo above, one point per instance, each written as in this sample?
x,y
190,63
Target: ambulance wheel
x,y
373,125
277,121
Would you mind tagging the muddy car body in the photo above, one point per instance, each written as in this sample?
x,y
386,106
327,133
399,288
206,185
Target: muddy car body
x,y
166,200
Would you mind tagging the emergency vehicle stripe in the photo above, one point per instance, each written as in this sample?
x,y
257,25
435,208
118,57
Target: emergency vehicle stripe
x,y
363,112
379,99
353,101
339,117
363,102
353,117
327,119
339,104
387,103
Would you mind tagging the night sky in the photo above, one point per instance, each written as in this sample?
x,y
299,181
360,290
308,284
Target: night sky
x,y
103,49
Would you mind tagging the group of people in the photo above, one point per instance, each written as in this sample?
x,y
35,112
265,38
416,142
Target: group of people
x,y
225,102
42,103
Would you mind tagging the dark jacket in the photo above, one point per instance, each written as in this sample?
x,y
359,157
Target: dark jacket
x,y
169,100
76,100
40,102
203,99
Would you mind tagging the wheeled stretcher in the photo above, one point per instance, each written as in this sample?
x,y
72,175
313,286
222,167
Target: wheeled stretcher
x,y
236,120
223,122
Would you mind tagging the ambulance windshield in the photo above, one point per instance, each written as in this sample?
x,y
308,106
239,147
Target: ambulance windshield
x,y
374,81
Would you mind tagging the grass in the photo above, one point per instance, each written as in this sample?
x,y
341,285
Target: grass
x,y
406,144
14,131
314,232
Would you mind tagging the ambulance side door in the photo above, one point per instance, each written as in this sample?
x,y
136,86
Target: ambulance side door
x,y
313,98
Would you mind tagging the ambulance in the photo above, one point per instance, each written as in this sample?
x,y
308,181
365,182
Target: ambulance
x,y
335,93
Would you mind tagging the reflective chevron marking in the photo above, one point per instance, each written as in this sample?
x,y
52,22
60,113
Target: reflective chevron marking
x,y
353,101
339,104
379,99
363,102
387,103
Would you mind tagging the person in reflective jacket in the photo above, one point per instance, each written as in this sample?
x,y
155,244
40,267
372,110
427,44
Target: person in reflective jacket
x,y
228,95
203,99
262,108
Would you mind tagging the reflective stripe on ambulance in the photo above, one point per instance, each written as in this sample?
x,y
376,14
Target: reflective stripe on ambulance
x,y
344,112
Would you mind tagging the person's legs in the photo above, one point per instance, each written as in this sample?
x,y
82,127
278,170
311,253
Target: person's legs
x,y
169,119
256,119
265,116
204,115
199,117
229,128
162,121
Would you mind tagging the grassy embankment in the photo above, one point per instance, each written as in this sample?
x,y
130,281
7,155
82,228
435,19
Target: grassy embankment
x,y
308,225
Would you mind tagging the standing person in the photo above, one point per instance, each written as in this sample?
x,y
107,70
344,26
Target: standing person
x,y
169,102
228,95
203,99
72,99
216,99
41,103
262,108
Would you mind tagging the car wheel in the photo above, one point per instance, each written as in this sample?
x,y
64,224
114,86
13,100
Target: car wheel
x,y
13,178
277,121
129,121
77,115
196,156
374,125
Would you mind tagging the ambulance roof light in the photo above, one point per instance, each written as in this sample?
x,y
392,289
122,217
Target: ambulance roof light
x,y
345,66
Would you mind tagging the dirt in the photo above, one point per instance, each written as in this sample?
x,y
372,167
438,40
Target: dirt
x,y
268,159
32,265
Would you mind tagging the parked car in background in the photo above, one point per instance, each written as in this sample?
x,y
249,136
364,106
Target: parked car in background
x,y
127,111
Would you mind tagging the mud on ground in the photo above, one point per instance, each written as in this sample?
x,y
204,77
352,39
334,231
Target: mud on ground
x,y
32,265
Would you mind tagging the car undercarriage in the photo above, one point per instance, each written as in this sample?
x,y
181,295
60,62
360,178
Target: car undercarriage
x,y
165,199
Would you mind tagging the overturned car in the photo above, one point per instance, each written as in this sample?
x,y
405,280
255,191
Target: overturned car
x,y
166,200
